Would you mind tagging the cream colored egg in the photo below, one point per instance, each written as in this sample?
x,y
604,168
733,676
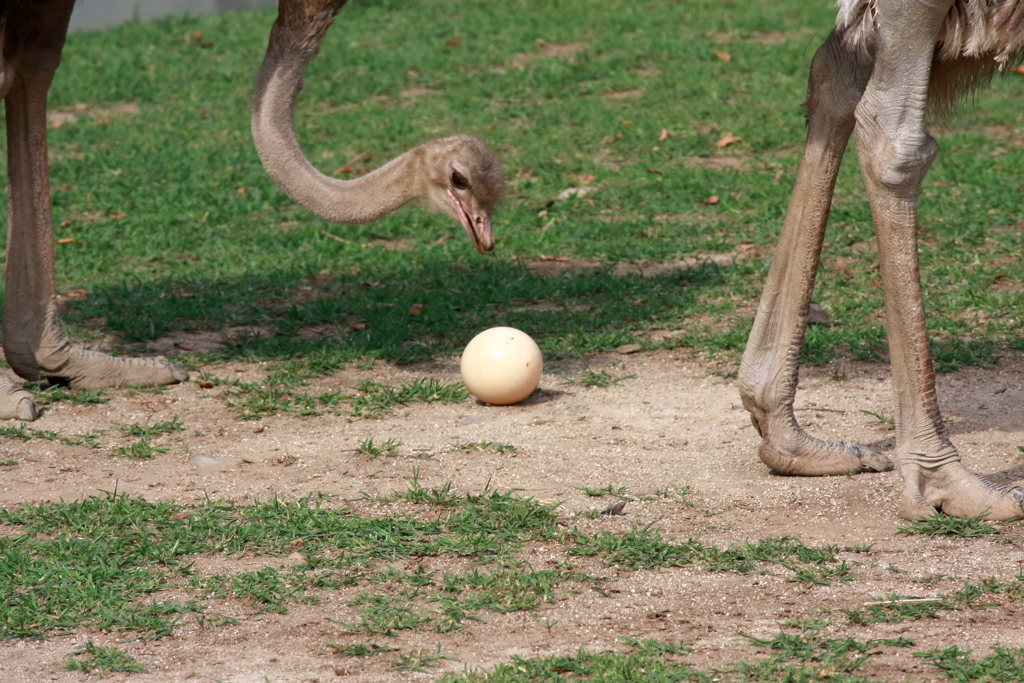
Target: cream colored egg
x,y
501,366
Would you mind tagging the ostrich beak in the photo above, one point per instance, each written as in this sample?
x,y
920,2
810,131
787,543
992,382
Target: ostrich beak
x,y
478,226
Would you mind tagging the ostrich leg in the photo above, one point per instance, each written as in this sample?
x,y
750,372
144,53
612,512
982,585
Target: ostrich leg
x,y
895,153
33,342
768,373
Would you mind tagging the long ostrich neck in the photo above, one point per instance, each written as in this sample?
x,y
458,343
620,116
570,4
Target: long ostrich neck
x,y
293,43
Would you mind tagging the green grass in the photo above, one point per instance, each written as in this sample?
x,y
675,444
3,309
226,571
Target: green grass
x,y
57,393
177,227
491,446
799,660
102,660
143,449
896,607
946,525
280,394
682,493
358,649
24,433
386,449
617,491
122,564
377,399
793,659
831,652
645,548
881,419
155,429
1005,664
419,660
601,379
59,571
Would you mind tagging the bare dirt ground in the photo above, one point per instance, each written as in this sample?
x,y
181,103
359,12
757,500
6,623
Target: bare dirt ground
x,y
674,423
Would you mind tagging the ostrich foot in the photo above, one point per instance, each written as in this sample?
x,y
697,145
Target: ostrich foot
x,y
65,363
84,369
955,490
15,402
787,449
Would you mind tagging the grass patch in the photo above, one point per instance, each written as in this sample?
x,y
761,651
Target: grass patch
x,y
946,525
682,493
617,491
102,660
490,446
839,654
419,660
58,573
57,394
377,399
24,433
1004,664
387,449
358,649
896,607
253,400
600,379
644,548
881,419
155,429
795,659
143,449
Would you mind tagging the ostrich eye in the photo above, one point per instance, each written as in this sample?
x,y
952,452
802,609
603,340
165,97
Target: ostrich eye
x,y
459,181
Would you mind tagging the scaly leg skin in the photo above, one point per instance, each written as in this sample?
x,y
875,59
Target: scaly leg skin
x,y
15,402
895,153
34,344
768,373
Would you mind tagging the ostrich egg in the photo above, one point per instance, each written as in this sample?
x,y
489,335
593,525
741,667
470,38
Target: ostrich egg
x,y
501,366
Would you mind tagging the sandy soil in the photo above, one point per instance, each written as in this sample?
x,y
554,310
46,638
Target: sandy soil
x,y
674,423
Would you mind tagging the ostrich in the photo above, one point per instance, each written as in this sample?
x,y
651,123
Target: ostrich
x,y
456,175
874,77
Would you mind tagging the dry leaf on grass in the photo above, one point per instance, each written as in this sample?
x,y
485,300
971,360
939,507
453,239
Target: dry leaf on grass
x,y
574,192
727,140
748,250
59,118
334,237
724,56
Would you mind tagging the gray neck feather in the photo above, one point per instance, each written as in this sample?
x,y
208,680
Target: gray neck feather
x,y
362,200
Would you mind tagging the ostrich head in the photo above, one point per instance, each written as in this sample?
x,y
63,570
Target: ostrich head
x,y
464,180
